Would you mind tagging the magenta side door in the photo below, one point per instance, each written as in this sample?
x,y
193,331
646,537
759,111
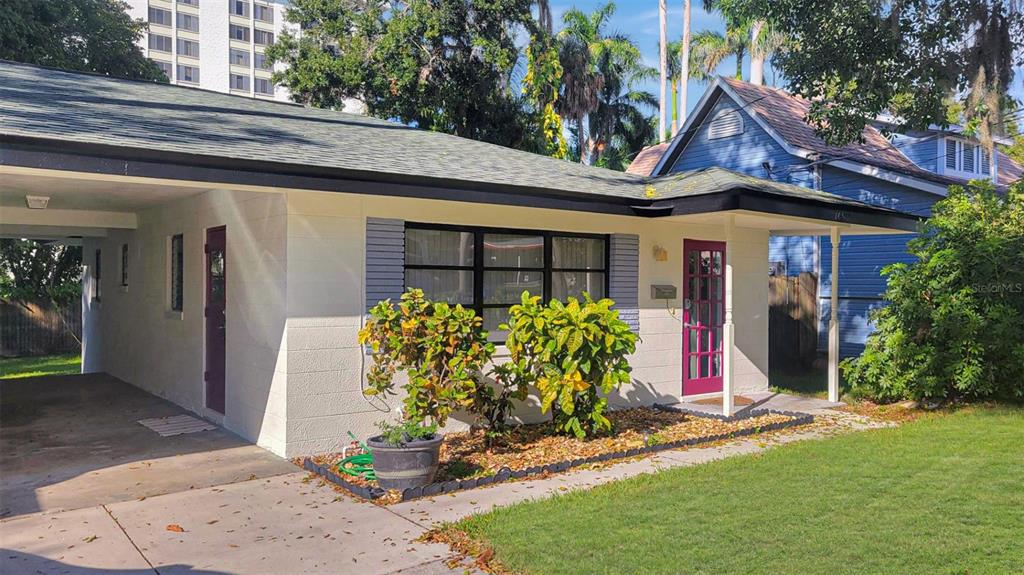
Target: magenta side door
x,y
216,298
703,310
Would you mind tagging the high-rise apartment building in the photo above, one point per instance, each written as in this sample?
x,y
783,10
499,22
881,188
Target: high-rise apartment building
x,y
214,44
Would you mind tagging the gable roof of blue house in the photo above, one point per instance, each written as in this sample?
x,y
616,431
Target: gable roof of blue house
x,y
780,116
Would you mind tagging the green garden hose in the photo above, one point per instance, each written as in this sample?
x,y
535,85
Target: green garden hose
x,y
361,464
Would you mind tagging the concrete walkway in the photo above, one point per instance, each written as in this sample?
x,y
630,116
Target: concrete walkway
x,y
291,524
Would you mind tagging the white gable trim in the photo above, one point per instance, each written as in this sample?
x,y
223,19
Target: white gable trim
x,y
792,150
688,126
706,100
890,176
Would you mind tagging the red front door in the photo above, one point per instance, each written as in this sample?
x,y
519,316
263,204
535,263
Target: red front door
x,y
216,297
703,310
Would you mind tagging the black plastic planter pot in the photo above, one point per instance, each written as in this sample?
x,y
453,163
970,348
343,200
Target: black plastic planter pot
x,y
402,467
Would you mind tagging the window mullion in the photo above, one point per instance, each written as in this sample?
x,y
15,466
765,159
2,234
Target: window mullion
x,y
547,267
478,272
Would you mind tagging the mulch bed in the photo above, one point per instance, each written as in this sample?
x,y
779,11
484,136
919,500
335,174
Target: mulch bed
x,y
466,462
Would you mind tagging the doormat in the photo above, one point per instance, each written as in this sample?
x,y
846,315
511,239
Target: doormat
x,y
739,400
177,425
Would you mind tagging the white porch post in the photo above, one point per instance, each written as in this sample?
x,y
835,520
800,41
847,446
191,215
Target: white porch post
x,y
833,323
727,327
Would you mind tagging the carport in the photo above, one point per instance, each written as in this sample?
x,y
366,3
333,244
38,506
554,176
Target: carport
x,y
70,442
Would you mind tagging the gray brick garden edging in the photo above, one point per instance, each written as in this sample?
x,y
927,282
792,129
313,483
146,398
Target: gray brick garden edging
x,y
504,474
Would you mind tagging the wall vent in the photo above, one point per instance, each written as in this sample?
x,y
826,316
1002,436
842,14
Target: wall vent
x,y
726,123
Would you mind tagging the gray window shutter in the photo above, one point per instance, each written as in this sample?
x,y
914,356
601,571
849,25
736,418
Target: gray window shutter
x,y
385,260
624,277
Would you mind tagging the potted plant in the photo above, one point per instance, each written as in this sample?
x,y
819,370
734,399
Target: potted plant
x,y
442,349
405,454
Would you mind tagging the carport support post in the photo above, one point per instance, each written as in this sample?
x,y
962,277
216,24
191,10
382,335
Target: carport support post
x,y
727,327
833,322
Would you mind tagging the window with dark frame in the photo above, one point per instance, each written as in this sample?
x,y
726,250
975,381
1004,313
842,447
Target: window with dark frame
x,y
238,57
263,13
188,22
264,86
239,8
159,16
236,32
263,37
124,265
97,273
488,269
160,43
177,271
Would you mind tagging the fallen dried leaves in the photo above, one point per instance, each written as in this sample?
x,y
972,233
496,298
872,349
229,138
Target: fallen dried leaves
x,y
465,455
175,528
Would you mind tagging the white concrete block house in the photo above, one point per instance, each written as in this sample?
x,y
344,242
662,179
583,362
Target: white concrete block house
x,y
233,246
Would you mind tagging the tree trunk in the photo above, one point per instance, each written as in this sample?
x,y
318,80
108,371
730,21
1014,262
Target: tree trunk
x,y
684,61
675,108
662,65
741,52
584,142
756,55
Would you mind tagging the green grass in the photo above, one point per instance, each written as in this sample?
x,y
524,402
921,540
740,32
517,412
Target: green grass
x,y
15,367
943,494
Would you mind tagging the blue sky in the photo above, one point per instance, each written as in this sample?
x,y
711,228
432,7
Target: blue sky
x,y
638,19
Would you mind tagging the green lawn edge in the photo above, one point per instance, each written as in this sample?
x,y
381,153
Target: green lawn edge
x,y
20,367
944,494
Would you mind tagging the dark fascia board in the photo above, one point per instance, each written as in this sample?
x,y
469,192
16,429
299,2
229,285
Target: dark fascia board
x,y
759,201
112,160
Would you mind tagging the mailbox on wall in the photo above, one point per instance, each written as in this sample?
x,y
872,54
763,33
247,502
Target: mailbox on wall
x,y
663,291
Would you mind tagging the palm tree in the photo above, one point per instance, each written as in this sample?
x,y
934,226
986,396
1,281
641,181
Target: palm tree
x,y
544,16
742,36
619,127
710,48
684,69
662,62
583,47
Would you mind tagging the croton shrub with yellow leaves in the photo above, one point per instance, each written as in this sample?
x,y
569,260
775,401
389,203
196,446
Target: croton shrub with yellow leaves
x,y
574,354
442,348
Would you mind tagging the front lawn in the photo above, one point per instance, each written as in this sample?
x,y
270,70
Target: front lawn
x,y
16,367
943,494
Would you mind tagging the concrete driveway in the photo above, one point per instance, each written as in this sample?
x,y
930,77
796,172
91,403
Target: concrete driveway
x,y
69,442
86,490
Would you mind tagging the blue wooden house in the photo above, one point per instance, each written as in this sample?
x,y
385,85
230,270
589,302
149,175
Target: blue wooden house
x,y
760,131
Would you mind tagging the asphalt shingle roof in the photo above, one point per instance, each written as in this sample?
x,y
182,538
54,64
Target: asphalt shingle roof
x,y
63,106
644,162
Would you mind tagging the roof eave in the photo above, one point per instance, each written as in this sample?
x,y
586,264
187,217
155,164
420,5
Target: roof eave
x,y
755,200
42,153
121,161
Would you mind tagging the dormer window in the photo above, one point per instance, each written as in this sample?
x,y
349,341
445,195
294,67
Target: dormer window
x,y
965,159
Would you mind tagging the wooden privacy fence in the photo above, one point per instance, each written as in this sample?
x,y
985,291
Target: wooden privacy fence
x,y
31,329
792,320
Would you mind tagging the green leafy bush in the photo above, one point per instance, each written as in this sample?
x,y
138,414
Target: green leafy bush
x,y
443,349
570,352
954,326
403,432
